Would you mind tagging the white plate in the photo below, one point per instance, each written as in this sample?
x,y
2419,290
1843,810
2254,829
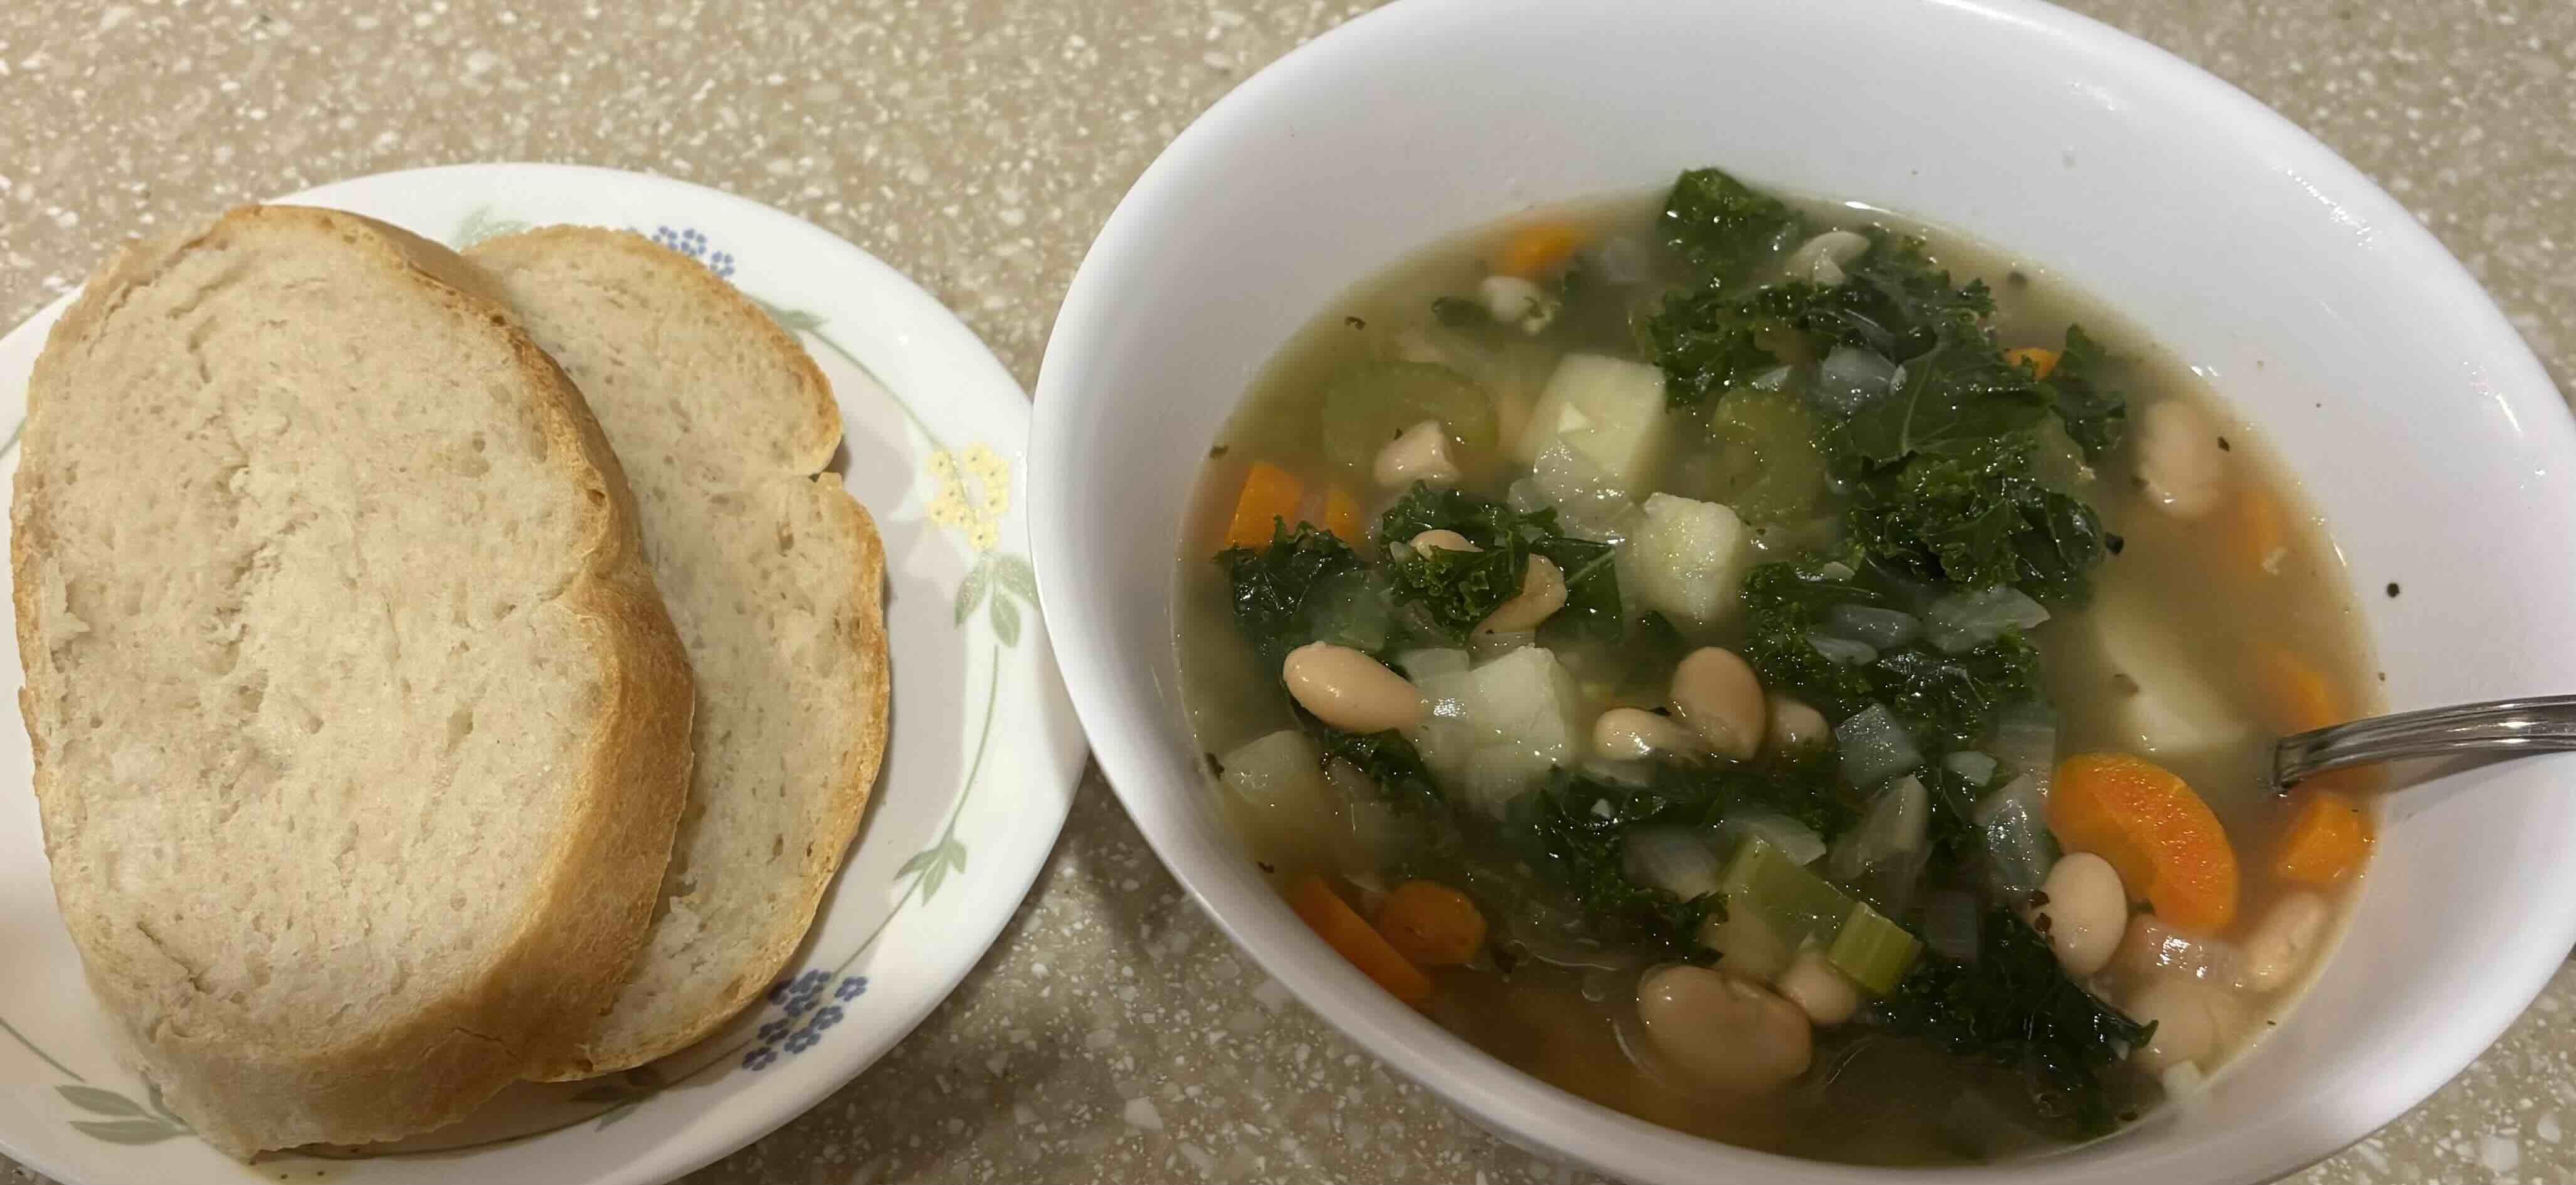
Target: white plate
x,y
981,767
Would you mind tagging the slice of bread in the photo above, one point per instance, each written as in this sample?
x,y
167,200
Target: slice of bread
x,y
773,574
360,731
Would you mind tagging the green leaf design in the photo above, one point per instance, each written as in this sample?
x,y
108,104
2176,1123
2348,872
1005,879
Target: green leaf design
x,y
1006,620
970,594
1016,575
791,320
919,861
481,225
127,1131
935,863
98,1101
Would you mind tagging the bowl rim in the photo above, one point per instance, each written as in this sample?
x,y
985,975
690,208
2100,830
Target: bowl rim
x,y
1520,1108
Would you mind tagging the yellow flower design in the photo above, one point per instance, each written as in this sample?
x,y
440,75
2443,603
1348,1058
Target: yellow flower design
x,y
973,506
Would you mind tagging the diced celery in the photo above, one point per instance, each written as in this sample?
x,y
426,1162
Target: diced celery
x,y
1774,470
1372,402
1763,885
1874,951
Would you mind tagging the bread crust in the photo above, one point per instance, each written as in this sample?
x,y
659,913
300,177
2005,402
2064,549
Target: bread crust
x,y
814,439
535,989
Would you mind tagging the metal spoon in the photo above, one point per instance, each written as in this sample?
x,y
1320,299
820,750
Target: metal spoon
x,y
2508,726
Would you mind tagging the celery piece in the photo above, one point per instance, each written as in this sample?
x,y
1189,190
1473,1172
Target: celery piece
x,y
1804,909
1776,473
1872,950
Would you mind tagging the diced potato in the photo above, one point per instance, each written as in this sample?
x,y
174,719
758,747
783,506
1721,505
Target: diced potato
x,y
1609,409
1686,560
2173,710
1495,731
1279,779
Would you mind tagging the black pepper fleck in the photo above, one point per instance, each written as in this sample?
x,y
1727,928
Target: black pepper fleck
x,y
1355,322
2040,922
2114,543
1218,451
1263,865
2038,898
2225,447
1215,766
2392,588
2017,278
2125,685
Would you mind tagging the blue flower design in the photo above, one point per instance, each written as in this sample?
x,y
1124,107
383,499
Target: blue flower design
x,y
800,1005
802,1040
689,241
829,1016
759,1057
851,988
778,991
812,982
776,1029
721,263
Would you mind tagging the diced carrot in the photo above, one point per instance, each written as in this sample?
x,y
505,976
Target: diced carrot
x,y
2169,849
2040,359
1431,923
2259,534
1269,492
2296,695
2328,838
1535,251
1342,516
1342,928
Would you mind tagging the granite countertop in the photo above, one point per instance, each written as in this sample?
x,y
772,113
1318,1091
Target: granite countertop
x,y
1113,1034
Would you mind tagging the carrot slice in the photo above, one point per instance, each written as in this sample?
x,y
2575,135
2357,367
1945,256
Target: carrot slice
x,y
2328,839
1269,492
2260,535
2169,849
1536,250
1342,928
1342,516
2296,695
2040,359
1431,923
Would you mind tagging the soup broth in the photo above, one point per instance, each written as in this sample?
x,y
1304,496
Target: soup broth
x,y
2056,607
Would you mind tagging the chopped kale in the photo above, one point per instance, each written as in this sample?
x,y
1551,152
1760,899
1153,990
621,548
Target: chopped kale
x,y
1388,759
2014,1007
1947,701
1895,302
2096,417
1270,587
1456,590
1722,226
1975,515
1575,831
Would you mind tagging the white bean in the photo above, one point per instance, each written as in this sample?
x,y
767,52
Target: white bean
x,y
1729,1034
1720,698
1794,725
2188,1018
2284,941
1437,539
2085,913
2178,458
1631,734
1542,594
1747,944
1515,301
2151,946
1419,453
1819,990
1349,690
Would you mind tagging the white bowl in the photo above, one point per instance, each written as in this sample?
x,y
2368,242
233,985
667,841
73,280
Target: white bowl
x,y
2413,413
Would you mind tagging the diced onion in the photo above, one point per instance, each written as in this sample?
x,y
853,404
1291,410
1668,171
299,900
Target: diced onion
x,y
1885,629
1843,650
1796,840
1965,621
1977,768
1674,859
1852,377
1895,825
2026,743
1836,570
2019,848
1874,747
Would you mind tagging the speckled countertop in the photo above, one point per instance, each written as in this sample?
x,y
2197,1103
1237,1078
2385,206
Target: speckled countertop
x,y
1113,1035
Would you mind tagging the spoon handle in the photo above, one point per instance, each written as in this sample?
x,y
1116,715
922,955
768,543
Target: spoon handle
x,y
2542,725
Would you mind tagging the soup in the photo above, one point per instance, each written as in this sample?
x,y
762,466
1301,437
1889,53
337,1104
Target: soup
x,y
1779,672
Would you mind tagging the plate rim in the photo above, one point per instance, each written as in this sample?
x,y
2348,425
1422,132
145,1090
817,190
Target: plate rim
x,y
1055,749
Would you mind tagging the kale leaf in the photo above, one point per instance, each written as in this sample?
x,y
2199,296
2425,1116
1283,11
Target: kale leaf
x,y
1895,301
2014,1007
1389,761
1975,515
1722,226
1270,587
1458,589
2096,417
1947,701
1956,394
1575,829
1707,341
